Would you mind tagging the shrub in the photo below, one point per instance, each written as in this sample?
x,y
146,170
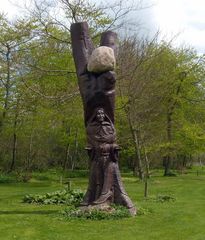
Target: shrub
x,y
71,197
18,176
22,176
6,178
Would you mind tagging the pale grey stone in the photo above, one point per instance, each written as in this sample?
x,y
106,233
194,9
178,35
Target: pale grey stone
x,y
102,59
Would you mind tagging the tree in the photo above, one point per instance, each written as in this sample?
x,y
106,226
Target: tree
x,y
156,85
14,35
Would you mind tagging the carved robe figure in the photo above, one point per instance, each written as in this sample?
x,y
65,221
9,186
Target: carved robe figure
x,y
100,129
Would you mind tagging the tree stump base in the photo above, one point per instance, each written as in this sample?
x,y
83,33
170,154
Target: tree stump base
x,y
106,207
105,186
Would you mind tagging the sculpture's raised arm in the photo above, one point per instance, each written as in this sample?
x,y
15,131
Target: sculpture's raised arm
x,y
97,88
109,39
82,47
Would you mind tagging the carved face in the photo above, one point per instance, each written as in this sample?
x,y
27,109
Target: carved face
x,y
100,115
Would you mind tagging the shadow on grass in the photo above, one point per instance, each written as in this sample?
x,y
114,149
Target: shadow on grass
x,y
39,212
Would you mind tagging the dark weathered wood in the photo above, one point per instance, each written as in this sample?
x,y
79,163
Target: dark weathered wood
x,y
82,47
98,95
109,39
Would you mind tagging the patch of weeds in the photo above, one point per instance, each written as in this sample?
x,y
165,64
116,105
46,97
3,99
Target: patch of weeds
x,y
49,175
170,174
77,174
18,176
165,198
22,176
71,197
161,198
41,178
113,213
143,211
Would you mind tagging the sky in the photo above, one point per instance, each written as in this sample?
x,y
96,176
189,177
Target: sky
x,y
182,18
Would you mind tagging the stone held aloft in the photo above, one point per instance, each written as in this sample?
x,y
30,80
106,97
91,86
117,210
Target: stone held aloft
x,y
96,81
101,60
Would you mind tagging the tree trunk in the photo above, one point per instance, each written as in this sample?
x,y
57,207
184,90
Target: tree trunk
x,y
7,88
167,158
67,152
67,156
139,156
14,148
75,155
146,163
29,155
138,159
171,106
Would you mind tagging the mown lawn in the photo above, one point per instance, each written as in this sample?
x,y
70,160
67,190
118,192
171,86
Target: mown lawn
x,y
183,219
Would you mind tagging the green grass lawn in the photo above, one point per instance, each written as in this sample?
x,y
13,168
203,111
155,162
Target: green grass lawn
x,y
183,219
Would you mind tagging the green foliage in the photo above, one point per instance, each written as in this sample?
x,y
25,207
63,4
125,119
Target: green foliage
x,y
96,17
162,96
71,197
115,212
77,174
18,176
5,178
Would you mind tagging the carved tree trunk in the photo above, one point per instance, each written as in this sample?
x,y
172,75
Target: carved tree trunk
x,y
98,95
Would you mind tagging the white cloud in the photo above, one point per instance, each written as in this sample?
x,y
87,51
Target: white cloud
x,y
12,8
185,17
